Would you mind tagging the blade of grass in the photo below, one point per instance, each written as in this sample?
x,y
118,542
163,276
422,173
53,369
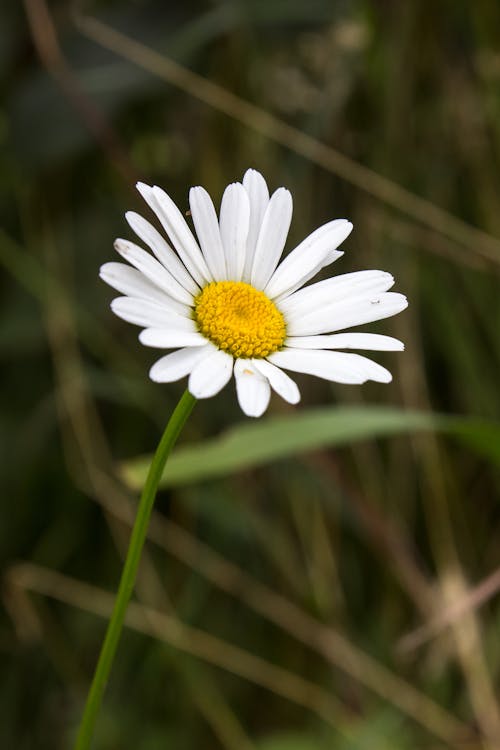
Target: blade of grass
x,y
169,629
248,445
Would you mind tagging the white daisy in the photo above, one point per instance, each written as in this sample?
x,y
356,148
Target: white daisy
x,y
226,306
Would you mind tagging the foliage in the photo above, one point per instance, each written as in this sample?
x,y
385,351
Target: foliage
x,y
285,591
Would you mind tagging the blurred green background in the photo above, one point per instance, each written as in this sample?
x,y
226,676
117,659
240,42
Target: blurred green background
x,y
341,593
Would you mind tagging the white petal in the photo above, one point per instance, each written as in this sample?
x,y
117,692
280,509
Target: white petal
x,y
155,272
258,194
177,229
373,370
332,256
171,338
272,237
373,341
252,388
279,381
167,257
176,365
234,223
145,313
332,291
211,375
310,254
348,313
339,367
208,232
131,282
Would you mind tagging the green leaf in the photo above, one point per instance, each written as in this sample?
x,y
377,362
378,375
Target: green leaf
x,y
251,444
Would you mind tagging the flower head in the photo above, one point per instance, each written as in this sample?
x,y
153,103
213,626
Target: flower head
x,y
226,305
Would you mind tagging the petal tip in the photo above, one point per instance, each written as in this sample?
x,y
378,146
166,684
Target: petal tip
x,y
238,186
153,375
254,415
104,270
404,302
121,246
143,188
253,176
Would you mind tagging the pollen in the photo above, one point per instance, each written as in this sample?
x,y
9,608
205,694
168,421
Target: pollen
x,y
239,319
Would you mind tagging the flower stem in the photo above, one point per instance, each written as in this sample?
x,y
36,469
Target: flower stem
x,y
127,582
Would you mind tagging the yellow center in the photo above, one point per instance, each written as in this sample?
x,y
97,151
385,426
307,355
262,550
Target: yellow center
x,y
239,319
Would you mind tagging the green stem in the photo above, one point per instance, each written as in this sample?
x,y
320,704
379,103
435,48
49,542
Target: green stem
x,y
127,582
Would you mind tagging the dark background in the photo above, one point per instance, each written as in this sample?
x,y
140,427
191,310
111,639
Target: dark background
x,y
340,553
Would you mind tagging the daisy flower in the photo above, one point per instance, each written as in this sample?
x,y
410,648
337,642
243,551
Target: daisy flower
x,y
226,305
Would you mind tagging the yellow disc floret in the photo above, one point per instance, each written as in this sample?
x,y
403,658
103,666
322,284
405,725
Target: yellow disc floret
x,y
239,319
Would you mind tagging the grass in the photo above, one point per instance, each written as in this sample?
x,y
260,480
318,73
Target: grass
x,y
345,595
